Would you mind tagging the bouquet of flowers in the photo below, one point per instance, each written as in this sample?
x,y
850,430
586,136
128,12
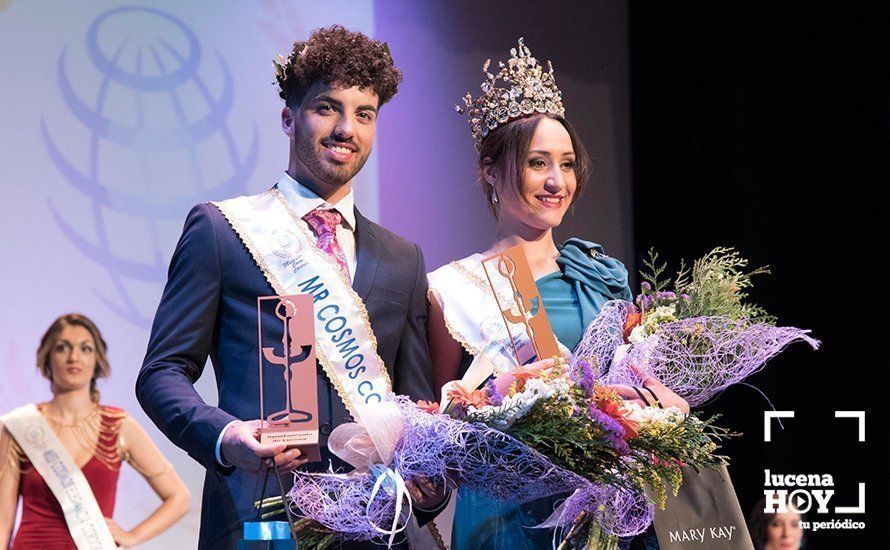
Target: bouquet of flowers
x,y
533,433
371,503
698,338
501,442
615,447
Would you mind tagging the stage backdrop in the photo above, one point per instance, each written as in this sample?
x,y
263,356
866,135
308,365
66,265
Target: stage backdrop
x,y
117,117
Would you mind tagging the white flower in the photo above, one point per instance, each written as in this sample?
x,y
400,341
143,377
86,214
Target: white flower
x,y
653,415
662,314
654,318
637,335
514,407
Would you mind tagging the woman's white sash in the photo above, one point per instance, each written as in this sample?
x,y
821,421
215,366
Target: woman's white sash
x,y
284,249
67,482
472,314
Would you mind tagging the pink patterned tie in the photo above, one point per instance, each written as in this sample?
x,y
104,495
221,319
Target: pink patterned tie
x,y
324,224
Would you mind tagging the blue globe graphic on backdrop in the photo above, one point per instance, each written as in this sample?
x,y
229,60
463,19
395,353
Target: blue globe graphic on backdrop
x,y
158,141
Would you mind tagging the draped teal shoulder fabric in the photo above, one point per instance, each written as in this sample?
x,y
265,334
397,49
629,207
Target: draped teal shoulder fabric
x,y
572,297
595,277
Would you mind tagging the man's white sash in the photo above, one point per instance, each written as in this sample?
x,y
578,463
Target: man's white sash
x,y
472,314
67,482
284,249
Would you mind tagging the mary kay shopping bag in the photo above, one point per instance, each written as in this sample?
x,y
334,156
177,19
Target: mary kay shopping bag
x,y
704,514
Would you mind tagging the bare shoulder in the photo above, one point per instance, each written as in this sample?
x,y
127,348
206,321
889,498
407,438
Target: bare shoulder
x,y
116,419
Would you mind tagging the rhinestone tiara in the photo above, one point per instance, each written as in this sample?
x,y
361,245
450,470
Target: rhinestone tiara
x,y
527,90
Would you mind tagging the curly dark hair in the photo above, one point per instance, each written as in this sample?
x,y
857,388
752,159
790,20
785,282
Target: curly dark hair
x,y
338,56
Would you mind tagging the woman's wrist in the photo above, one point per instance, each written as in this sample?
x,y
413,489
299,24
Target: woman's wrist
x,y
135,536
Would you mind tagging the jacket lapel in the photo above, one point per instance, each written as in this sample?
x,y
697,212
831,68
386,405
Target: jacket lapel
x,y
366,256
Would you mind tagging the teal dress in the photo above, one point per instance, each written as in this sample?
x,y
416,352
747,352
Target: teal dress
x,y
572,297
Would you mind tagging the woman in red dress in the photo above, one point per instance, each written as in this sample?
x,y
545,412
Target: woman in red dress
x,y
99,438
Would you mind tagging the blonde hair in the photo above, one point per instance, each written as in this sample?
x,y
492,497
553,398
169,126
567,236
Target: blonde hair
x,y
102,370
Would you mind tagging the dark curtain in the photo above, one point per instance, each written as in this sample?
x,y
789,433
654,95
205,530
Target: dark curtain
x,y
766,128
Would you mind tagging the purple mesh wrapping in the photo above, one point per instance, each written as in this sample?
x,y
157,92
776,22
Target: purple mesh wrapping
x,y
435,446
617,511
721,352
603,336
698,358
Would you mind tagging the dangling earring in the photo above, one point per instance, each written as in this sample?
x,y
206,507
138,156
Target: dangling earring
x,y
494,193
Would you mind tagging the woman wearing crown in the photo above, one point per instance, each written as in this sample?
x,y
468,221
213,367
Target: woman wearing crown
x,y
63,457
532,167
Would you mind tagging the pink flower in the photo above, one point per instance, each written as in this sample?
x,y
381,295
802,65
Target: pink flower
x,y
608,402
465,399
669,462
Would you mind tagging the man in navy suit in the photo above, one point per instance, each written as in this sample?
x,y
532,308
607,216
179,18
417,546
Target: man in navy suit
x,y
333,85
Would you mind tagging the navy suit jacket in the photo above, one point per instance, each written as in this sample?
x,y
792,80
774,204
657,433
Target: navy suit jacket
x,y
208,309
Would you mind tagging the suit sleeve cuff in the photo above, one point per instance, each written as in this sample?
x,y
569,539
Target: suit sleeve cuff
x,y
436,509
219,458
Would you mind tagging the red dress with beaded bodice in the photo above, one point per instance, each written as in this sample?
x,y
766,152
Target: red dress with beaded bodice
x,y
43,523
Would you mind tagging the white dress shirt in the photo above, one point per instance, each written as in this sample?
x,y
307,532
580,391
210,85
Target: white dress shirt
x,y
303,201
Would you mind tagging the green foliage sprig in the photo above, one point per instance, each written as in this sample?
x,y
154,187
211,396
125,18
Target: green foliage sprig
x,y
653,272
716,284
693,442
559,428
554,428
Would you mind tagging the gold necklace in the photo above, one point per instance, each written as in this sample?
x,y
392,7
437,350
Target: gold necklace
x,y
93,434
58,424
